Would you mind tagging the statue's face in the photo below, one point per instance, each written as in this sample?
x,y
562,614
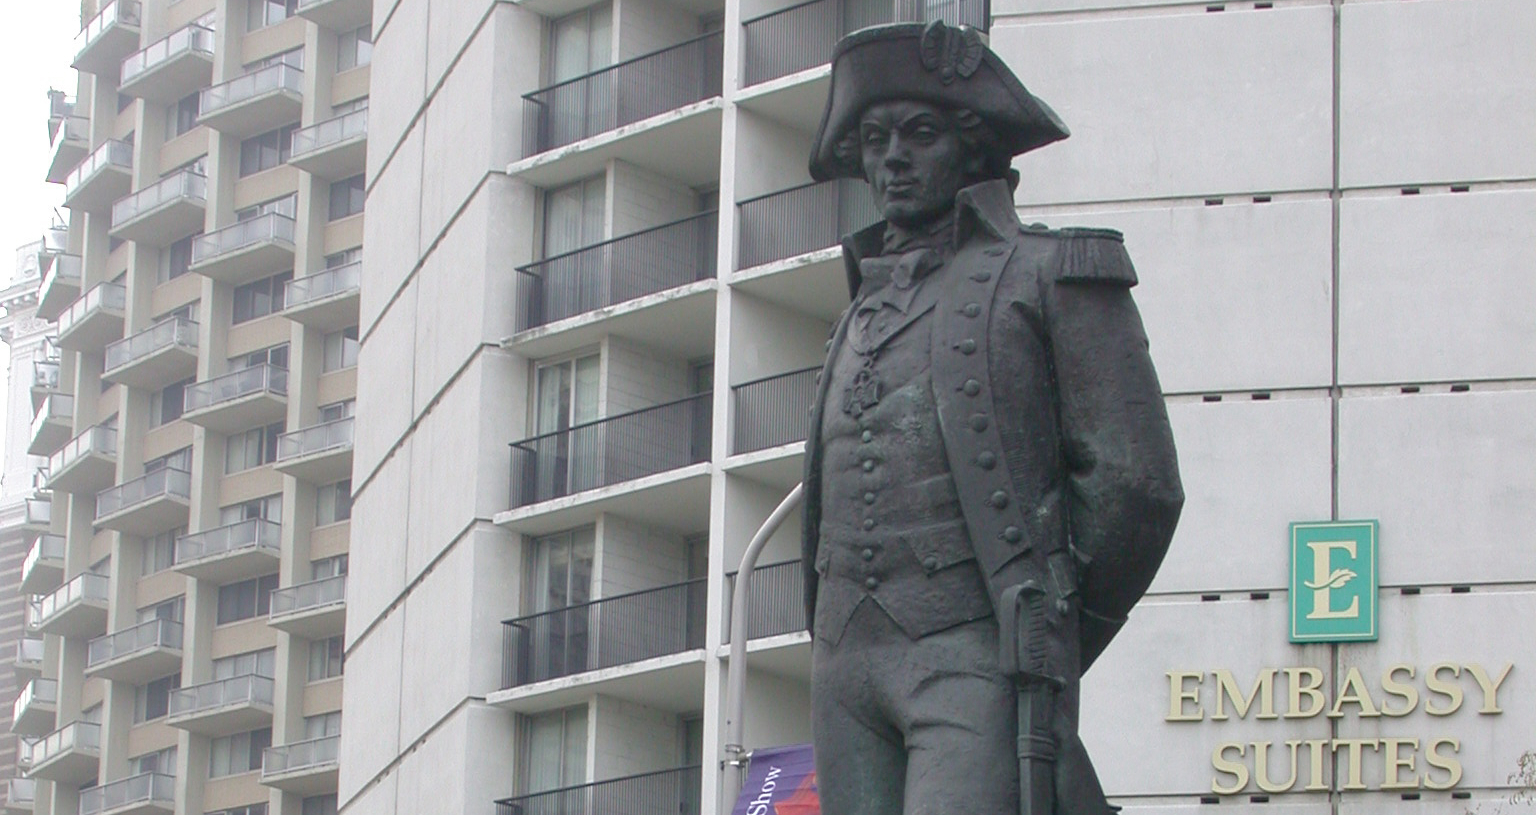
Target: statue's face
x,y
914,160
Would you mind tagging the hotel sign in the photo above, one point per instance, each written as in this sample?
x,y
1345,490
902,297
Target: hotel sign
x,y
1334,581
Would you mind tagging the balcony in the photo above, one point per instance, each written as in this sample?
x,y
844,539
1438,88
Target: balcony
x,y
312,610
20,793
147,505
332,149
28,662
35,707
94,319
111,35
76,609
668,792
43,569
771,412
60,286
37,517
775,601
168,70
165,352
45,380
327,299
51,424
164,211
792,39
143,794
227,554
223,706
337,15
103,177
69,755
238,400
87,463
138,654
254,103
789,250
244,251
71,144
604,633
303,768
320,454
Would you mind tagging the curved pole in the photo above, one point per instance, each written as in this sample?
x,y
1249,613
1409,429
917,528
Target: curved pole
x,y
736,669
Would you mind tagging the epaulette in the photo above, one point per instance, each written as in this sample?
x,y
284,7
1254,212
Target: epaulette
x,y
1095,256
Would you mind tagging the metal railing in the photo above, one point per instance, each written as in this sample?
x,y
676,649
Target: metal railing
x,y
273,226
185,185
801,219
55,406
300,755
314,439
20,792
263,378
322,284
305,596
622,94
38,691
165,482
47,546
164,334
667,792
106,295
125,12
252,533
193,38
112,152
45,374
71,128
331,131
614,271
135,789
775,600
142,637
603,633
96,439
246,689
771,411
611,450
39,512
280,76
801,36
29,650
72,736
63,270
84,586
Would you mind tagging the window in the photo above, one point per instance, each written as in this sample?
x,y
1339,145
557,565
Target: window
x,y
176,259
344,257
293,58
276,356
260,298
573,215
339,350
166,405
262,13
579,44
250,663
347,197
253,448
152,701
246,599
562,577
287,205
179,460
328,567
187,312
248,809
354,48
269,508
336,411
181,116
160,761
556,752
333,503
240,753
123,101
567,396
267,150
319,805
322,725
172,609
159,552
361,103
325,659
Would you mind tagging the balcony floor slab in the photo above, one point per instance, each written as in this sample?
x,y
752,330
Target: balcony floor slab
x,y
247,263
320,467
83,618
674,682
675,499
155,369
257,114
106,186
45,575
92,333
160,225
224,720
680,320
148,517
338,15
231,566
243,412
140,666
779,467
90,473
813,283
681,144
314,623
50,436
67,155
36,719
333,162
304,781
171,80
56,296
332,312
74,766
796,99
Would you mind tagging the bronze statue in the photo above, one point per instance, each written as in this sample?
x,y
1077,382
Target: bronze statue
x,y
990,478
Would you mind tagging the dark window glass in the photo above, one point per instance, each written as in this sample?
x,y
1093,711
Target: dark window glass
x,y
347,197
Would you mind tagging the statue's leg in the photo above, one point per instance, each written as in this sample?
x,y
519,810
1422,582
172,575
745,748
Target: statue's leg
x,y
860,759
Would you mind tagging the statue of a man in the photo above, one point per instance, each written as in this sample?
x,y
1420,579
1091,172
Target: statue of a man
x,y
990,476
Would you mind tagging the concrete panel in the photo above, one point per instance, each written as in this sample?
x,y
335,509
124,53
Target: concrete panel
x,y
377,563
371,742
1419,86
391,229
1231,102
378,799
1433,287
400,64
1449,476
385,384
1127,695
464,766
1492,729
1233,297
1002,8
1432,803
1249,469
454,23
1295,804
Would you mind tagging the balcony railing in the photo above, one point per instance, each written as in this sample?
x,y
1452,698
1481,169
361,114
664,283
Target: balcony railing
x,y
622,94
247,689
68,143
111,153
96,440
117,12
668,792
300,755
183,186
327,436
262,378
305,596
243,88
775,600
141,637
45,375
86,586
320,285
253,533
39,512
330,132
603,633
801,219
138,789
164,334
801,36
192,39
771,411
272,226
58,409
611,451
20,793
108,295
29,651
60,285
36,692
165,482
47,548
614,271
72,736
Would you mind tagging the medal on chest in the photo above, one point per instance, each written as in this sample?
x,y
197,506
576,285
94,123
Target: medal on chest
x,y
864,392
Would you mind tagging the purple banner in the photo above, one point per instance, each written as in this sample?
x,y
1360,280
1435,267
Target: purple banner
x,y
780,781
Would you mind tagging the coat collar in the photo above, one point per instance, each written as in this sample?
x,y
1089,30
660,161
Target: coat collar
x,y
983,210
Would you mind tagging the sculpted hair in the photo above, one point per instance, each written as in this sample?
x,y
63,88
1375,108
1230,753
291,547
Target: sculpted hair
x,y
976,136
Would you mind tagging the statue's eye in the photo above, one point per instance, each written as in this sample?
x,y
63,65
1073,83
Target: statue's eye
x,y
874,137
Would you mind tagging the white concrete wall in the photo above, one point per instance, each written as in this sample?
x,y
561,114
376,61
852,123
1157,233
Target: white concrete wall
x,y
643,199
636,376
632,556
630,738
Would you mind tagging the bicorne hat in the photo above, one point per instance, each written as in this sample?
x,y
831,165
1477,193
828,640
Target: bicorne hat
x,y
933,63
